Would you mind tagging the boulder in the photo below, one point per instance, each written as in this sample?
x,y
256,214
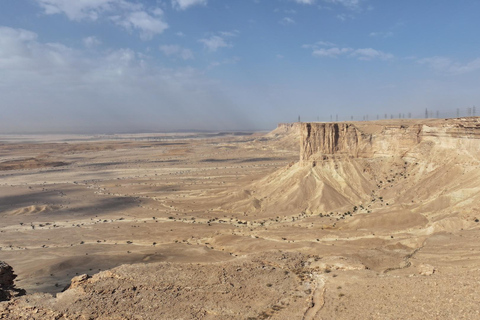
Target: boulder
x,y
7,285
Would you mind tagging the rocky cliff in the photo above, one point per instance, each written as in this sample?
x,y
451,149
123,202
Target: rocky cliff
x,y
285,129
320,141
289,126
431,165
285,136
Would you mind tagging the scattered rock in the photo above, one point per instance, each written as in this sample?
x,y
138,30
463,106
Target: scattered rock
x,y
77,281
426,270
336,263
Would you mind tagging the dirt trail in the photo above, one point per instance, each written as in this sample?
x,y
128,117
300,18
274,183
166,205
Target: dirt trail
x,y
318,298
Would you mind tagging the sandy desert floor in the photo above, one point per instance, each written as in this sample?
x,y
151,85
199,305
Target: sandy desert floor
x,y
80,207
163,207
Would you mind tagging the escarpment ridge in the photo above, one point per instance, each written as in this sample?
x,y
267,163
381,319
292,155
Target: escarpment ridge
x,y
428,166
385,138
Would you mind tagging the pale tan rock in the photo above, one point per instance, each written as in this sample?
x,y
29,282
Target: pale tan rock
x,y
78,280
426,270
320,141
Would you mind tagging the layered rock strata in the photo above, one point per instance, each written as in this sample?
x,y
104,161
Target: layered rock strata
x,y
320,141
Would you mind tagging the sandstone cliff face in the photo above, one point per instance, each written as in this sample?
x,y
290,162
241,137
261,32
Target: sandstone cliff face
x,y
332,138
321,141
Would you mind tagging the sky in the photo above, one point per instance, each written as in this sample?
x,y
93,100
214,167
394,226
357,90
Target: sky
x,y
114,66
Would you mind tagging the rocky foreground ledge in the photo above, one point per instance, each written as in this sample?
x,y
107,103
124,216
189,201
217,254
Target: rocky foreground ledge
x,y
7,285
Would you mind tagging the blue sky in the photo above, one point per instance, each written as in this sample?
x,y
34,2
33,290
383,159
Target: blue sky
x,y
127,65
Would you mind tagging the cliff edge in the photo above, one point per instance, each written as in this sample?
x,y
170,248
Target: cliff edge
x,y
386,138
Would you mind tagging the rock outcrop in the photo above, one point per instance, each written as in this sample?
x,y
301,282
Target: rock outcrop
x,y
286,128
285,136
320,141
7,285
332,138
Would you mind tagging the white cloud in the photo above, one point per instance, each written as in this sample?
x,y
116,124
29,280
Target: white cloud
x,y
305,1
54,87
318,44
371,54
216,41
145,23
18,46
233,33
344,16
287,21
213,43
78,9
177,51
91,42
215,64
447,65
325,43
185,4
438,63
471,66
331,52
157,12
7,35
350,4
124,13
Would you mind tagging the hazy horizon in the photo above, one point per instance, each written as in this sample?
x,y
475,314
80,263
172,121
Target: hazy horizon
x,y
122,66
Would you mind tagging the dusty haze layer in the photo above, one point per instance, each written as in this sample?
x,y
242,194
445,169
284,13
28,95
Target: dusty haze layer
x,y
370,220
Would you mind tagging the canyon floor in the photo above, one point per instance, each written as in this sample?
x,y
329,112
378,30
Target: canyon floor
x,y
231,226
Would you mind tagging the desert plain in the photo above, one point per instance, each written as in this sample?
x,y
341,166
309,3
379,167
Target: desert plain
x,y
349,220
